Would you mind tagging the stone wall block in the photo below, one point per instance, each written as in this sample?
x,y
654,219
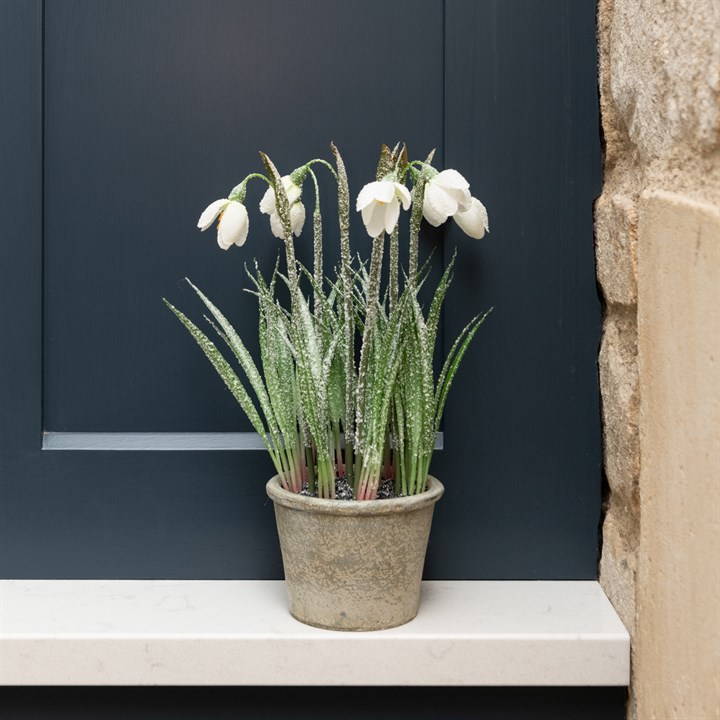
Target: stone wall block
x,y
616,248
658,265
677,653
618,564
620,406
613,128
665,73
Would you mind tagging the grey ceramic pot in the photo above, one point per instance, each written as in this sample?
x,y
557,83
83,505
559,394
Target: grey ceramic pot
x,y
353,565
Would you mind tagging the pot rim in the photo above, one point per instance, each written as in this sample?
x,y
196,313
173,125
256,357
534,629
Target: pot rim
x,y
409,503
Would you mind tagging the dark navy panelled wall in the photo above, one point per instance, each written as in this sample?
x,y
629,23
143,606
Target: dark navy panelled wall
x,y
122,119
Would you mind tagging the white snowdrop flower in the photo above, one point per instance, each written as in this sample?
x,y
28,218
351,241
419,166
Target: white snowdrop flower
x,y
474,222
446,193
379,203
297,209
233,223
297,220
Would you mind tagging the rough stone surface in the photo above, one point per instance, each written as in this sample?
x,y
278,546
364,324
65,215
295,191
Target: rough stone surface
x,y
620,407
677,653
659,97
621,404
665,73
615,248
618,564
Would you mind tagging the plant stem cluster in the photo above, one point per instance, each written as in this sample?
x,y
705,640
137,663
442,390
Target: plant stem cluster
x,y
324,407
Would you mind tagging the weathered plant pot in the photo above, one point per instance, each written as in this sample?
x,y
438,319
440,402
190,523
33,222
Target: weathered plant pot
x,y
353,565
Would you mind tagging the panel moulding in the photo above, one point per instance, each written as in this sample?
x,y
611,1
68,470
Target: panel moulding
x,y
161,441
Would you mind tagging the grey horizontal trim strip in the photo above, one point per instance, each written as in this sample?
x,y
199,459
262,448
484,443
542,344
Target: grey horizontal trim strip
x,y
160,441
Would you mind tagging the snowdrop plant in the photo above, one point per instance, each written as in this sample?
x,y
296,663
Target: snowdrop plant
x,y
346,358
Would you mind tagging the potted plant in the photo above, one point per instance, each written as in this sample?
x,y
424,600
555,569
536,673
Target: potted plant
x,y
346,399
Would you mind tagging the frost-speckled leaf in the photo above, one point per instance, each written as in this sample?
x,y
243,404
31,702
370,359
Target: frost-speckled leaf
x,y
243,357
452,362
224,370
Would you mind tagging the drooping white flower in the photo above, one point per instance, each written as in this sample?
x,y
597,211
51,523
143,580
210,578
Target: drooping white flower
x,y
297,220
379,203
446,193
474,222
233,224
297,209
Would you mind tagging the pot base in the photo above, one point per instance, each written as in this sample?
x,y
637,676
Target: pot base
x,y
304,621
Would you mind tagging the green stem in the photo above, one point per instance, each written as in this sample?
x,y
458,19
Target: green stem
x,y
282,206
349,325
371,480
317,251
315,161
300,455
400,479
373,295
357,472
394,267
326,477
290,462
360,494
285,469
415,222
426,471
238,192
413,469
310,469
349,460
338,450
277,461
417,215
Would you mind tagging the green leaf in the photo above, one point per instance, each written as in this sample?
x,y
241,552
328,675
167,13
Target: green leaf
x,y
282,205
452,362
436,305
224,370
243,357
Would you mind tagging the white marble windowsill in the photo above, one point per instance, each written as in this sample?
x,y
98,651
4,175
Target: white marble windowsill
x,y
217,632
